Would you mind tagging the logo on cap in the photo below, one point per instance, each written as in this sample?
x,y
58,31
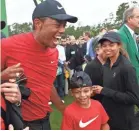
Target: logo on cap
x,y
59,7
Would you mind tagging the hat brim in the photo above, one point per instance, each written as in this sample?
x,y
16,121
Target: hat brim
x,y
109,39
65,17
3,24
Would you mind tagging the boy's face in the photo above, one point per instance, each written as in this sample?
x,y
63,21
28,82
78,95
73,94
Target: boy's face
x,y
101,53
82,95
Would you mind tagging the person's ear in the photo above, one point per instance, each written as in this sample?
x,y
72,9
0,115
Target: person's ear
x,y
37,23
71,92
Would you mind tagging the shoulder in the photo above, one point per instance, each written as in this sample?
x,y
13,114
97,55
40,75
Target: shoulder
x,y
52,51
125,61
122,28
92,63
70,110
71,106
126,65
14,40
89,66
96,103
122,31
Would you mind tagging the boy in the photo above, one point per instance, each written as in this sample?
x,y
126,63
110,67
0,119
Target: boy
x,y
83,113
95,69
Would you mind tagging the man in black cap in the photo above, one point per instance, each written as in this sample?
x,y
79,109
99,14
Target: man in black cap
x,y
3,24
38,56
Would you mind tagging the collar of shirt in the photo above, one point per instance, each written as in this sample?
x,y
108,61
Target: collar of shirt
x,y
133,35
108,62
130,30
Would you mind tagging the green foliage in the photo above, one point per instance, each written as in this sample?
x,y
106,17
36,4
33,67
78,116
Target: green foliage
x,y
112,22
17,28
119,13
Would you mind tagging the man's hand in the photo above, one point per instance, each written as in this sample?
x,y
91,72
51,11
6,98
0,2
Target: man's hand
x,y
97,89
12,128
11,92
66,63
11,72
57,101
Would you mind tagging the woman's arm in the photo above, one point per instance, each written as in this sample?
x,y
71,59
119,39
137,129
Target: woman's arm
x,y
130,96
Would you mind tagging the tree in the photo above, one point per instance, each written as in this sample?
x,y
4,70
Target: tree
x,y
17,28
70,30
110,22
119,13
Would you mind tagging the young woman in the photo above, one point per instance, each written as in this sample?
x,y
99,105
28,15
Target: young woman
x,y
120,89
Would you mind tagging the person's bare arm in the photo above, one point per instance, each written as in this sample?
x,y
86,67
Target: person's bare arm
x,y
105,127
11,92
11,72
57,101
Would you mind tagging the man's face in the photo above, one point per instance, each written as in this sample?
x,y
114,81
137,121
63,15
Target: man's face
x,y
63,42
48,30
82,95
72,40
134,21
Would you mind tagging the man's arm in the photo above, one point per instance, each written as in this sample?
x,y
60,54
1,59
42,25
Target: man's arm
x,y
11,72
57,101
3,55
11,92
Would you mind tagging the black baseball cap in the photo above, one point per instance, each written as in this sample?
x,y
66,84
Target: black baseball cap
x,y
80,79
3,24
111,36
54,10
